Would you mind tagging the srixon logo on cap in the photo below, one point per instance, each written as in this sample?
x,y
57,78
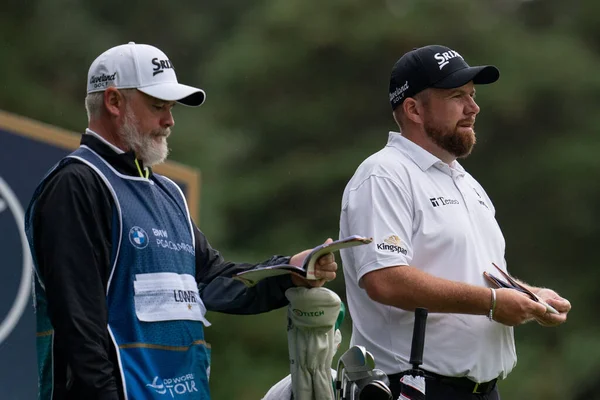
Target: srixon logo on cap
x,y
160,66
444,58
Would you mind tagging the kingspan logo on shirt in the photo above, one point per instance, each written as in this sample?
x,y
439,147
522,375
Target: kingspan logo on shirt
x,y
174,387
393,244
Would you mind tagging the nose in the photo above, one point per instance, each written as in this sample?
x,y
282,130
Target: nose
x,y
472,107
168,121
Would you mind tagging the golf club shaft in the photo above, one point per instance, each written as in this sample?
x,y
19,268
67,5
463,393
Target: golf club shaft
x,y
418,339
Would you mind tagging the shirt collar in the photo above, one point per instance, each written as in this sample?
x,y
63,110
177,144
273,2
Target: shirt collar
x,y
420,156
117,150
122,161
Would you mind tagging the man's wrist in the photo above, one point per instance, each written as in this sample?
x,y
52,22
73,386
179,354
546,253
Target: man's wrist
x,y
492,304
285,282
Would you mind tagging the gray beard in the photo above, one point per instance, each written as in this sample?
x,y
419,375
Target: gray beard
x,y
145,146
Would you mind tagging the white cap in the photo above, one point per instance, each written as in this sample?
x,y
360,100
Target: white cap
x,y
141,67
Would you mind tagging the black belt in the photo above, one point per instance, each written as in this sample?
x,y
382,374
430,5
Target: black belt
x,y
461,383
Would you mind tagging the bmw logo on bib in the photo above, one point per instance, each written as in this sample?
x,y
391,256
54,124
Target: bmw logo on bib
x,y
138,237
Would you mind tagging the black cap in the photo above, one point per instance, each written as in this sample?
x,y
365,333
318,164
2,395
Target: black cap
x,y
437,67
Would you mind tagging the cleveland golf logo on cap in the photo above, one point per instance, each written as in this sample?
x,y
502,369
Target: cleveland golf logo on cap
x,y
103,80
445,57
161,65
398,94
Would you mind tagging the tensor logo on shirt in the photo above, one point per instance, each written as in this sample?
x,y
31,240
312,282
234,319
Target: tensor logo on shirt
x,y
442,201
393,244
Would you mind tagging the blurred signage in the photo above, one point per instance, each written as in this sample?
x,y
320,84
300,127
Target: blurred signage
x,y
27,150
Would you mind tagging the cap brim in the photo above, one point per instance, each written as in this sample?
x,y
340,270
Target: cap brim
x,y
481,75
184,94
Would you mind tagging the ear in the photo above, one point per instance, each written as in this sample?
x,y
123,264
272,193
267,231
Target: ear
x,y
114,101
413,110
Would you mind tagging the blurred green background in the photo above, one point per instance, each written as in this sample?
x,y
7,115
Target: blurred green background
x,y
297,98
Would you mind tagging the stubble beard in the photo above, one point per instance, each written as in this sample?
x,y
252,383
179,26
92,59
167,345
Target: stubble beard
x,y
459,144
151,148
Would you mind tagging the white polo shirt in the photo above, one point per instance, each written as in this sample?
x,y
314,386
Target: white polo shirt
x,y
426,214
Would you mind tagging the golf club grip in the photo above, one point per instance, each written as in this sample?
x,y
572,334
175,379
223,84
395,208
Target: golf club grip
x,y
418,339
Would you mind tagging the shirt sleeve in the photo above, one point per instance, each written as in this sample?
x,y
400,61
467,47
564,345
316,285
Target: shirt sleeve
x,y
220,292
71,225
380,208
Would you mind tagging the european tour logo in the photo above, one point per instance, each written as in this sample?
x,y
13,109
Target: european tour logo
x,y
182,386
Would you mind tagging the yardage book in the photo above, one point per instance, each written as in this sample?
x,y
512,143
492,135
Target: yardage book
x,y
514,284
307,270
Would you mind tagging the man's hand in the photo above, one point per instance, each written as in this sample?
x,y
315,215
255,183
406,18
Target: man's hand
x,y
515,308
562,305
325,268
